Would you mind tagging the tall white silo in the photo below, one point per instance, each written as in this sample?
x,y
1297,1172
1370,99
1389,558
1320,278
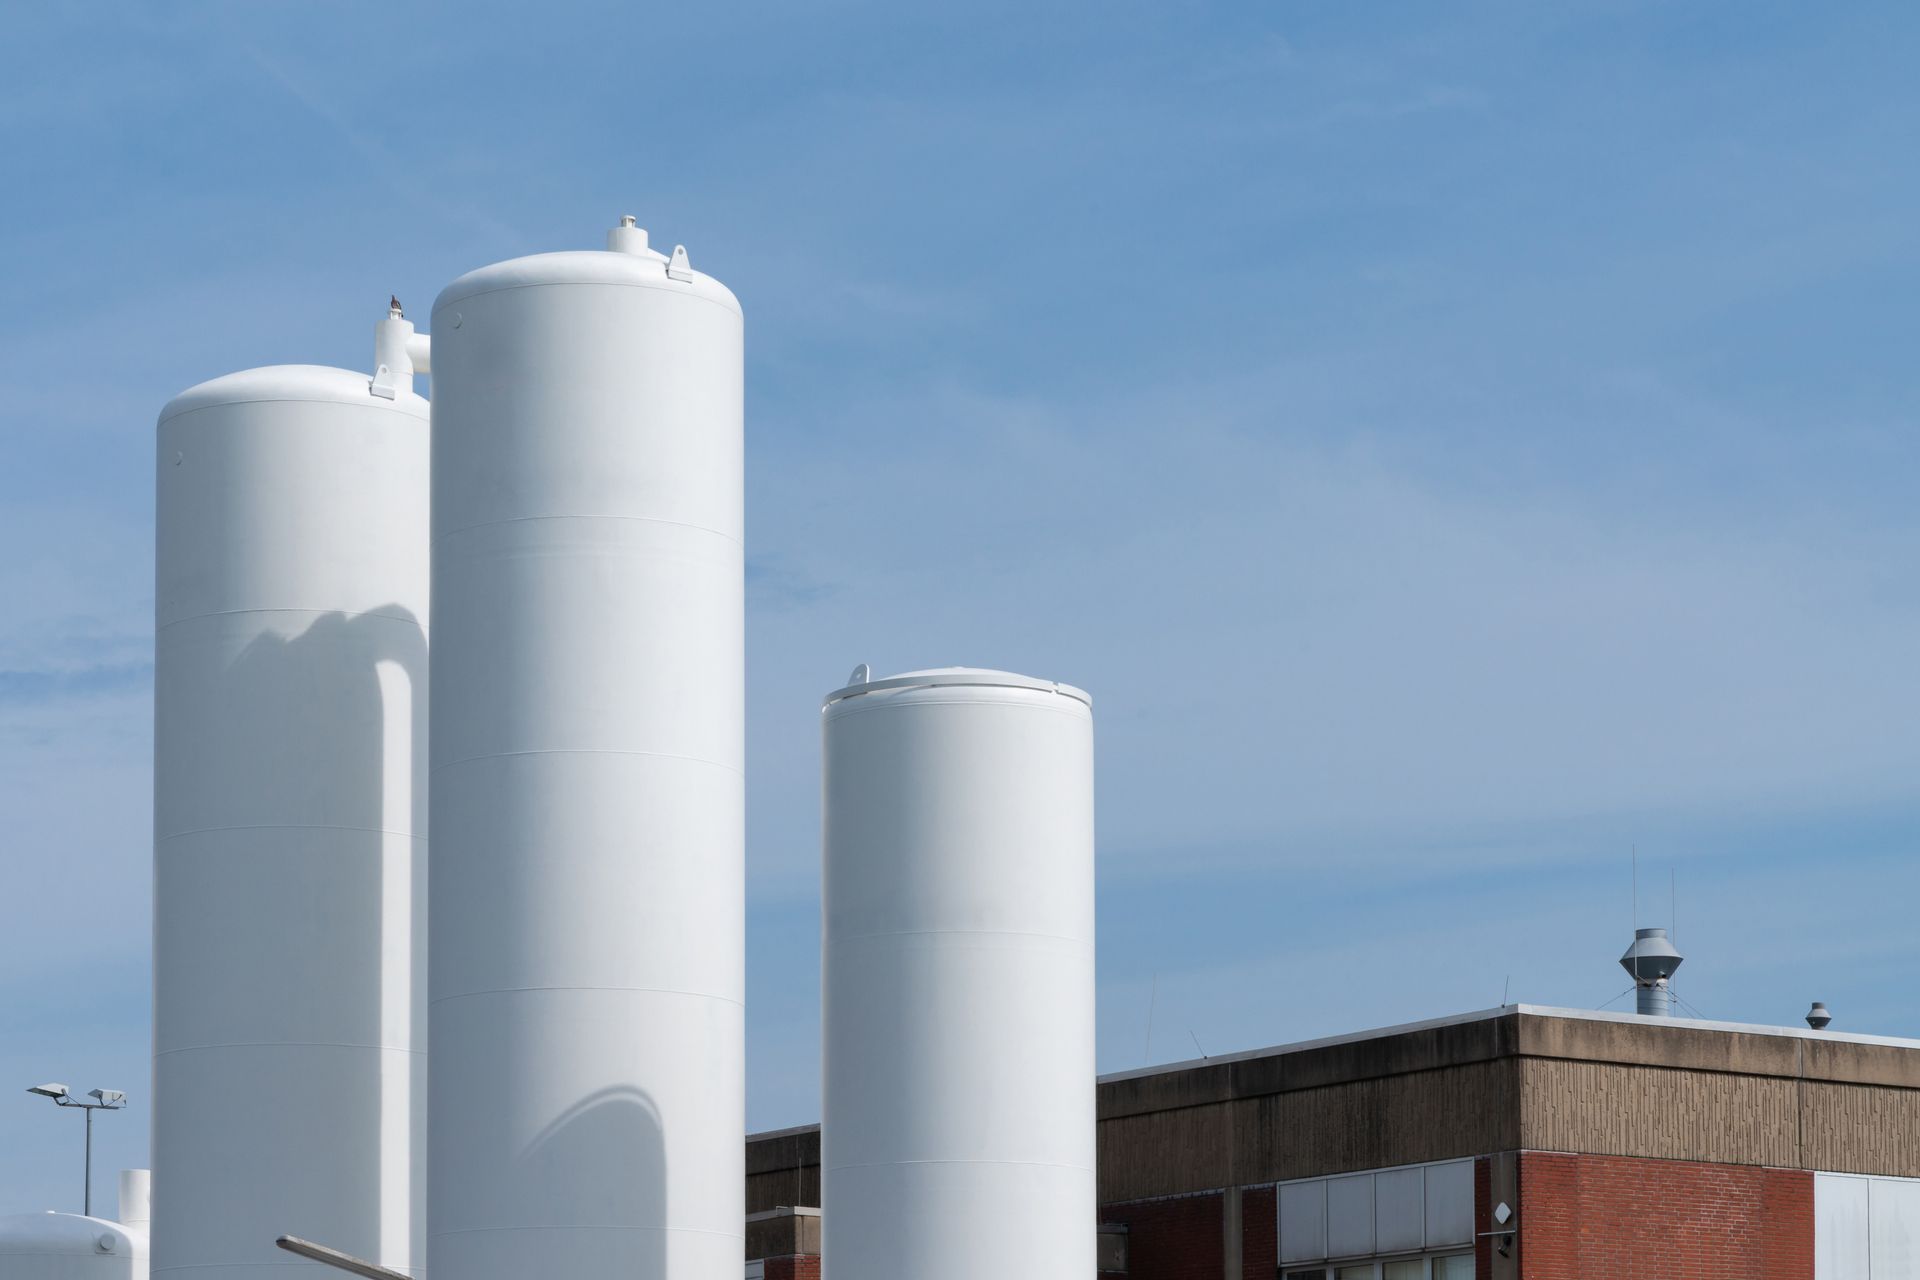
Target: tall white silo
x,y
587,935
958,1133
290,682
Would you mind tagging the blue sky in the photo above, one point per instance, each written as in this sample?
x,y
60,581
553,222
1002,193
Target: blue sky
x,y
1456,445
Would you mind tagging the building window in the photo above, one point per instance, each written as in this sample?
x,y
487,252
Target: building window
x,y
1452,1266
1410,1212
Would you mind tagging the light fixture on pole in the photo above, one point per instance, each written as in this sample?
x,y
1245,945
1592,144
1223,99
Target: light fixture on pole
x,y
103,1100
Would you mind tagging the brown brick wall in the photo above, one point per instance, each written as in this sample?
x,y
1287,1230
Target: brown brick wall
x,y
799,1268
783,1169
1439,1114
1860,1129
1607,1217
1659,1113
1174,1239
1721,1097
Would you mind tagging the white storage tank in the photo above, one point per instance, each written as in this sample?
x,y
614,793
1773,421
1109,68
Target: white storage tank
x,y
958,1130
587,932
67,1246
290,680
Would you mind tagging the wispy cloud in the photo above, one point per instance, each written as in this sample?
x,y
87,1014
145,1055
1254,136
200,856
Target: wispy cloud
x,y
774,583
1320,648
403,171
41,687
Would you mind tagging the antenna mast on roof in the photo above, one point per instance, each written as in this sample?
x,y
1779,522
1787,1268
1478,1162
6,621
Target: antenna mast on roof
x,y
1635,865
1153,998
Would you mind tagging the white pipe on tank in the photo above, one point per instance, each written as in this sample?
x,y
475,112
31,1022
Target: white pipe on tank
x,y
398,354
136,1201
630,237
958,982
290,675
587,929
420,352
136,1197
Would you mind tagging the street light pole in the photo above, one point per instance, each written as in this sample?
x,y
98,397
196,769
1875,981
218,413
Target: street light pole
x,y
103,1100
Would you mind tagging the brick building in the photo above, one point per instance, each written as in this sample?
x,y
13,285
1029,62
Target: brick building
x,y
1516,1144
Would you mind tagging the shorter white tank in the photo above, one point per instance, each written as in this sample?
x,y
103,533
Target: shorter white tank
x,y
68,1246
958,1133
289,819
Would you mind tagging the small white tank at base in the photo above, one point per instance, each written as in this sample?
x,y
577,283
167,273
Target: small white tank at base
x,y
290,687
68,1246
958,1127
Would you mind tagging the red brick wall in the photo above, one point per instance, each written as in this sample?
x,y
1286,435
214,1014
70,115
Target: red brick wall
x,y
1609,1217
1173,1239
799,1267
1482,1218
1259,1234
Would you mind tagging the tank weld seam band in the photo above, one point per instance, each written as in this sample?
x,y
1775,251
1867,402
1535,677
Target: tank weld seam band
x,y
832,936
402,1267
228,1266
494,524
841,708
586,751
589,284
287,826
284,1044
658,991
889,1164
382,404
350,615
697,1231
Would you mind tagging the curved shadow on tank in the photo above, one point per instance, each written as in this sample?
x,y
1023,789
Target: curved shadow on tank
x,y
305,889
616,1129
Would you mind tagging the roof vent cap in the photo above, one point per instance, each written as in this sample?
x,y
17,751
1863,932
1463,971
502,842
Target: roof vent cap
x,y
1651,960
1651,957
